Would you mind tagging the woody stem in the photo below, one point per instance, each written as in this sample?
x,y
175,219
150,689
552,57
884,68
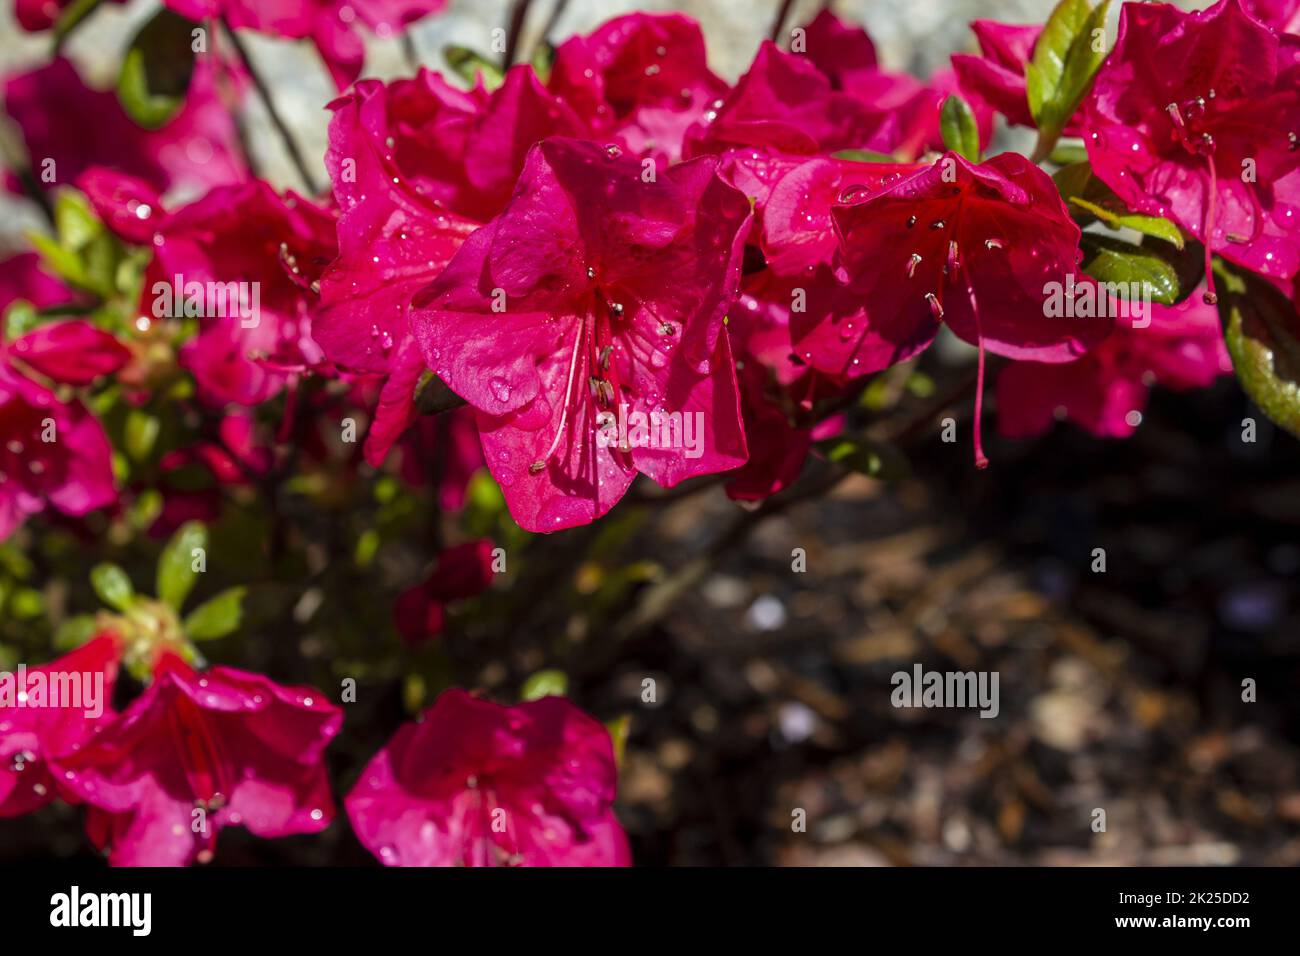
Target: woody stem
x,y
264,94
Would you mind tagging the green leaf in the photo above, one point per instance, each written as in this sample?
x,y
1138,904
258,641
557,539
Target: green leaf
x,y
873,458
1067,154
547,683
1066,58
215,617
1262,332
543,60
113,586
1110,260
1147,225
176,574
74,631
469,64
619,728
20,318
141,432
84,252
863,156
157,69
960,131
74,221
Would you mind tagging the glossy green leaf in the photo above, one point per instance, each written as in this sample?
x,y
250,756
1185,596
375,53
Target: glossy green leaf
x,y
157,68
469,65
1152,226
113,586
176,574
215,617
1262,332
960,131
1114,261
547,683
1066,58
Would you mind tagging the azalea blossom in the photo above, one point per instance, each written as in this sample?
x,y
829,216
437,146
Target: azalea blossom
x,y
642,79
473,783
1195,117
69,127
416,166
1105,392
332,25
463,571
53,451
197,752
972,246
556,314
240,259
33,738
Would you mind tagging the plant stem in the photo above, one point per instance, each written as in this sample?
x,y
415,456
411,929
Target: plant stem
x,y
557,11
290,144
410,52
518,14
656,600
782,14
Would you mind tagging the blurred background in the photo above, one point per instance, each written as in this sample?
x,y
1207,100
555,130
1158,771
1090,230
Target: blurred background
x,y
1118,690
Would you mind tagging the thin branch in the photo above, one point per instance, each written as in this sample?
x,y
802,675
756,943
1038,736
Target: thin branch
x,y
290,144
409,51
782,14
557,11
518,15
656,600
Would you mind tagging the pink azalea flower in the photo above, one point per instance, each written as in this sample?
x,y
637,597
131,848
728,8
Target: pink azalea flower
x,y
416,166
1282,15
463,571
330,24
1106,390
840,50
641,78
775,385
1195,116
63,120
846,56
33,738
970,245
237,746
53,451
444,448
797,234
474,783
24,277
243,240
556,318
784,103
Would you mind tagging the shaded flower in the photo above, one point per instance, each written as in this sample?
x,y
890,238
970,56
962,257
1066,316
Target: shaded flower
x,y
53,451
973,246
197,752
1106,391
474,783
74,127
332,25
33,738
463,571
